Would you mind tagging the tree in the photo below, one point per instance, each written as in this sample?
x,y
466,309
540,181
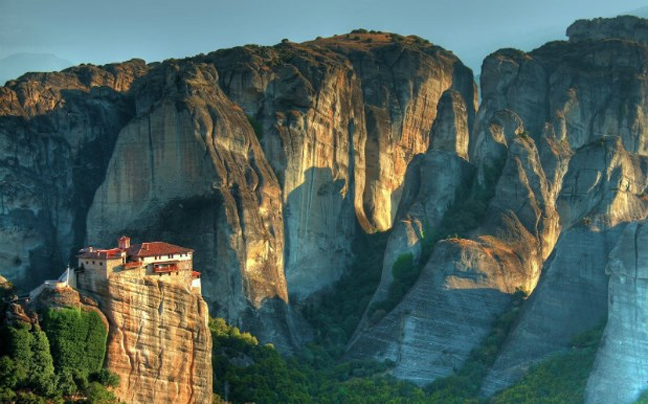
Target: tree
x,y
41,369
98,394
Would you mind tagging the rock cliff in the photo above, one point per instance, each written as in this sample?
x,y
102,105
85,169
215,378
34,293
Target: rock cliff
x,y
271,161
567,119
189,167
602,192
467,283
591,130
159,342
57,131
266,160
340,119
624,27
619,373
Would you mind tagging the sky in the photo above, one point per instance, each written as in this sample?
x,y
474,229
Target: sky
x,y
99,32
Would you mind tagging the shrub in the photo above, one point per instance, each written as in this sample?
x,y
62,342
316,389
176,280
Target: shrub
x,y
41,369
405,273
8,376
29,359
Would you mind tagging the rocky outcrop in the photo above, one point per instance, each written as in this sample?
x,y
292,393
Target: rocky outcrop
x,y
57,132
159,342
432,184
189,166
250,156
340,120
623,27
467,283
620,372
574,91
450,131
602,192
306,105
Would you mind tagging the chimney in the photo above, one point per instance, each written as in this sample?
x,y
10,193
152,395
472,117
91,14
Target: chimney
x,y
123,242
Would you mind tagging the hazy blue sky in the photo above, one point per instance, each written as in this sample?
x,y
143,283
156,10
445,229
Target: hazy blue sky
x,y
108,31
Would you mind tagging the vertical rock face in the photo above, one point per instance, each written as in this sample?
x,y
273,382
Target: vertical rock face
x,y
190,166
578,91
57,132
331,126
467,283
341,119
601,194
432,184
620,372
307,106
585,98
159,342
399,113
450,131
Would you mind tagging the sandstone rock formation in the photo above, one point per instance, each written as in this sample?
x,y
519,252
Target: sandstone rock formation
x,y
159,342
271,161
341,118
602,192
620,372
599,192
623,27
57,132
251,156
564,98
189,166
467,283
432,184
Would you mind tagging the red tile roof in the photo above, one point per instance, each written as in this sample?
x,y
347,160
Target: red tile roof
x,y
155,248
113,253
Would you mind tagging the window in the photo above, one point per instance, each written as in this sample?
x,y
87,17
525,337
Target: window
x,y
101,263
170,255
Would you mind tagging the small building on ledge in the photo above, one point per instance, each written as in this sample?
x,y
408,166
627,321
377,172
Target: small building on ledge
x,y
155,258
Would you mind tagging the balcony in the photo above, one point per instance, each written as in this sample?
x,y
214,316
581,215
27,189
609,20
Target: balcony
x,y
165,268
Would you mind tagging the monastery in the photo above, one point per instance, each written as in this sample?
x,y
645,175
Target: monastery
x,y
172,263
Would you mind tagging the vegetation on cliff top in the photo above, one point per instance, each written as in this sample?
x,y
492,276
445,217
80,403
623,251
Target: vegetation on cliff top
x,y
62,363
77,338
